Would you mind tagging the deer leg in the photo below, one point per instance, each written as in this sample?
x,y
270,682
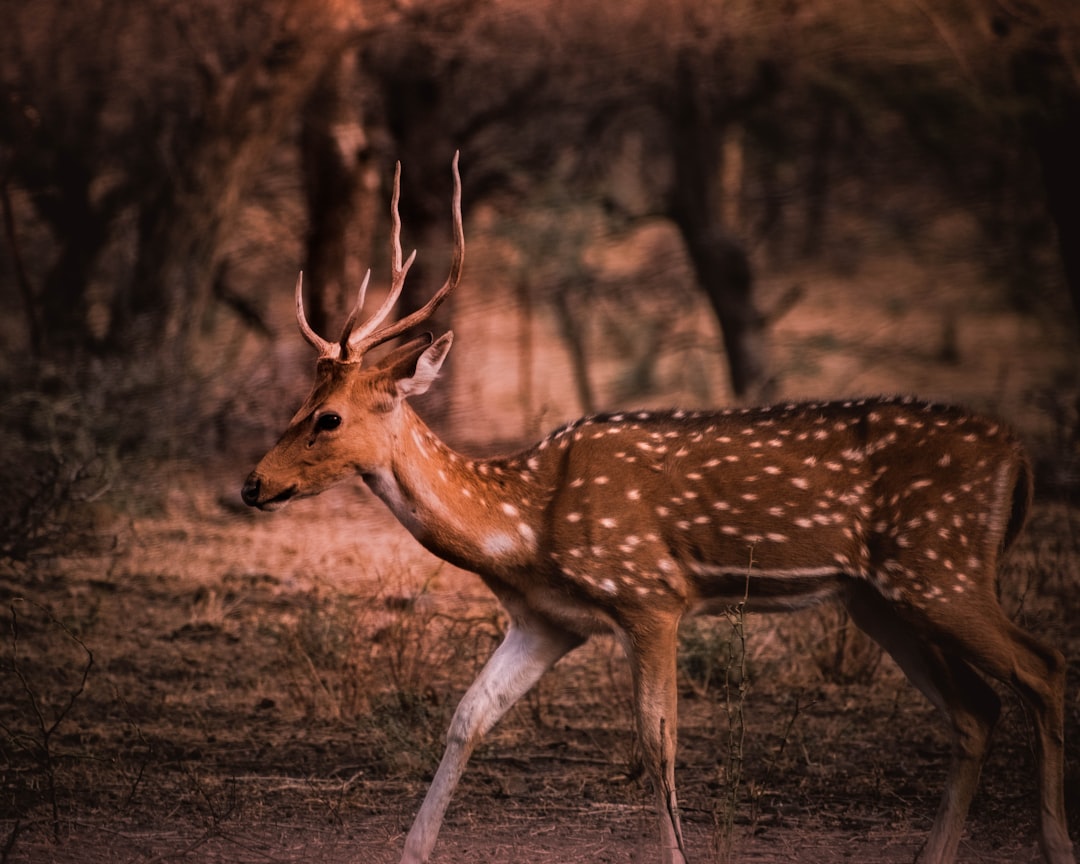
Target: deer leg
x,y
969,704
530,648
1040,680
1037,673
656,712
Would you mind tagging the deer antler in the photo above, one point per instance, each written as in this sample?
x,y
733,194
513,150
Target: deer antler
x,y
355,344
371,334
398,271
354,316
325,349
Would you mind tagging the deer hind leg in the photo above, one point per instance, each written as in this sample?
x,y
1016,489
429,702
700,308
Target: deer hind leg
x,y
999,648
969,704
653,660
530,648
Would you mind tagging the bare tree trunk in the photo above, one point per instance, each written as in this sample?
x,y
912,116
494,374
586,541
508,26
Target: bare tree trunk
x,y
63,296
723,271
572,330
341,185
719,259
11,236
818,180
1055,134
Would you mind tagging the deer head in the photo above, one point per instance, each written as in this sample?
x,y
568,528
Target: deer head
x,y
350,421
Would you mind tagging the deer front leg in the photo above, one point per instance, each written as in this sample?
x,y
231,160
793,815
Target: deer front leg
x,y
530,648
653,659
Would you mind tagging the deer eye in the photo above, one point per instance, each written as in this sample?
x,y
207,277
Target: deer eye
x,y
327,422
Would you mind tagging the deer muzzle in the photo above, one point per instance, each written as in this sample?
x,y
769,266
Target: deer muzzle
x,y
254,494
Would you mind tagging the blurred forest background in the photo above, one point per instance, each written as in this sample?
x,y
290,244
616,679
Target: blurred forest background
x,y
690,203
678,202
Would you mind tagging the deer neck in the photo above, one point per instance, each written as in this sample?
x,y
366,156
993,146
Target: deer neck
x,y
476,513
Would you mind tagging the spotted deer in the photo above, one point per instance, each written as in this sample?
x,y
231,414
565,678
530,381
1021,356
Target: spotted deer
x,y
627,522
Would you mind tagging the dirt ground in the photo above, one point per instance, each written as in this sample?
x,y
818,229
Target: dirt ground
x,y
275,687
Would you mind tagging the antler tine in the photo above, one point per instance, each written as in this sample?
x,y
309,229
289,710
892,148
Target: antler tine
x,y
316,341
354,316
397,270
370,334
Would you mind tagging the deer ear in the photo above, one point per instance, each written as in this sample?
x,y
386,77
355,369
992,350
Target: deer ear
x,y
418,368
402,359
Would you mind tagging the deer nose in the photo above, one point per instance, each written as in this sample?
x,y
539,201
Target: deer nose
x,y
250,492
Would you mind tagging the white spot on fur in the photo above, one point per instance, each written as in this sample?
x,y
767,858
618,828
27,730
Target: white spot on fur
x,y
499,544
